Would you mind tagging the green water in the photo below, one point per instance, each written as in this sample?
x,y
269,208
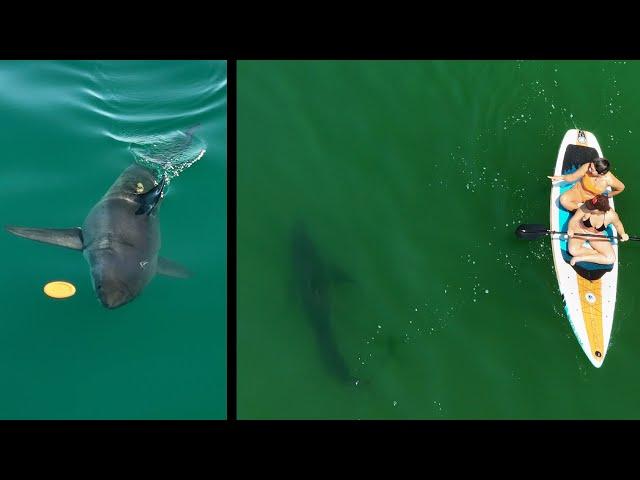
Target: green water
x,y
411,177
67,129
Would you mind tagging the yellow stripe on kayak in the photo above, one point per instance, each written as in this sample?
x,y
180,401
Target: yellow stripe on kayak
x,y
591,302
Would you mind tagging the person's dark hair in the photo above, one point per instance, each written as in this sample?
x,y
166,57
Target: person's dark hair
x,y
601,165
599,202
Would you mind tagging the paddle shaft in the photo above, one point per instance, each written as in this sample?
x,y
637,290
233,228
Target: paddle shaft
x,y
533,231
551,232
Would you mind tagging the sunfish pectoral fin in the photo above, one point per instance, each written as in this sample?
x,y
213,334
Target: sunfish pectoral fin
x,y
148,201
63,237
172,269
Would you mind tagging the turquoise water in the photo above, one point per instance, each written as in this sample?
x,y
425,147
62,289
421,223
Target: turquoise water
x,y
69,129
411,177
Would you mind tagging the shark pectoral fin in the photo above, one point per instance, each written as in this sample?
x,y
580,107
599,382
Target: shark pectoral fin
x,y
172,269
148,201
63,237
338,275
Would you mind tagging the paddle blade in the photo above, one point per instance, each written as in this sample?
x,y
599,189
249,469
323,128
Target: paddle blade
x,y
531,231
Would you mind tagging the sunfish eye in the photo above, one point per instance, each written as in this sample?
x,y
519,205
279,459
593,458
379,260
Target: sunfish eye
x,y
139,187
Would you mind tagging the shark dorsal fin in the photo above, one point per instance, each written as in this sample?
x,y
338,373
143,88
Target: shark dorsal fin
x,y
149,201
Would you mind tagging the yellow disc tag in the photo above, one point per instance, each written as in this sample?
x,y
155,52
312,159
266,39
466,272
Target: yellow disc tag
x,y
59,289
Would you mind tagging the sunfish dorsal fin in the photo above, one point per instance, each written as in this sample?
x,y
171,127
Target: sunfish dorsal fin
x,y
148,201
63,237
172,269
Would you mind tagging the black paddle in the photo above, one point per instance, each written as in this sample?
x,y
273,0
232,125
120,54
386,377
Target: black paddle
x,y
534,231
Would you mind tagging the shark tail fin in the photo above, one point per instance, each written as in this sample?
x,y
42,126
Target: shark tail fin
x,y
190,130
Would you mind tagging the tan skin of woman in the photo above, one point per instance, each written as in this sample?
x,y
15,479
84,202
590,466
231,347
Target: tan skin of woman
x,y
598,214
597,182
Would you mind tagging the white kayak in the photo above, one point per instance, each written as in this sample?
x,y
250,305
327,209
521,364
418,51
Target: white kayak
x,y
588,290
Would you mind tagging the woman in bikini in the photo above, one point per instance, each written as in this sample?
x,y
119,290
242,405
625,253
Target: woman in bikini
x,y
593,217
594,178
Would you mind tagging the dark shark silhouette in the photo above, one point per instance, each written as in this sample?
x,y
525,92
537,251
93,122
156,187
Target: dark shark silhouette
x,y
313,279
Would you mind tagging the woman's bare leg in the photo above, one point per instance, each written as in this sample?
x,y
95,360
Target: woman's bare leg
x,y
577,250
602,253
568,203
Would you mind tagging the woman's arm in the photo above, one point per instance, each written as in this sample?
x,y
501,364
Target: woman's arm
x,y
574,222
571,177
616,185
619,227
